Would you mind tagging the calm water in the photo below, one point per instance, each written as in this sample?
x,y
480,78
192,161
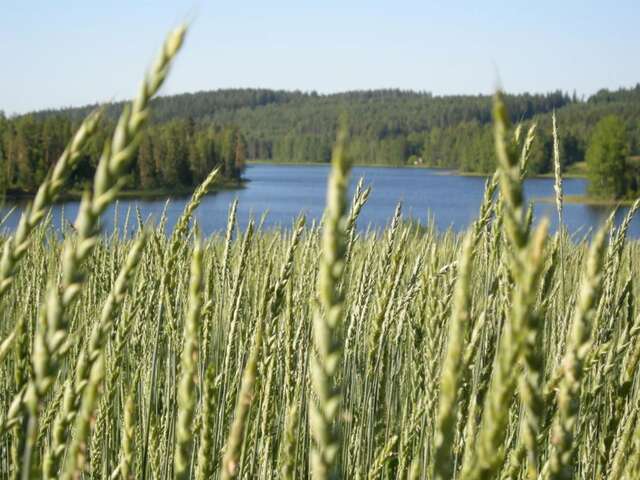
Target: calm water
x,y
282,192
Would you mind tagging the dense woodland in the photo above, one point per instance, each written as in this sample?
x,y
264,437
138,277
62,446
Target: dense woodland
x,y
193,132
172,154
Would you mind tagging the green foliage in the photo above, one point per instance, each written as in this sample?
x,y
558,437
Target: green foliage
x,y
176,153
607,159
390,127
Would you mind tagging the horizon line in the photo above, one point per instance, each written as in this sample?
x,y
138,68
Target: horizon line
x,y
580,96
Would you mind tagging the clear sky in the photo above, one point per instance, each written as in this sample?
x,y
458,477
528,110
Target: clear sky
x,y
57,53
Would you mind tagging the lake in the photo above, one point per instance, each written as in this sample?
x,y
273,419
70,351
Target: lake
x,y
284,191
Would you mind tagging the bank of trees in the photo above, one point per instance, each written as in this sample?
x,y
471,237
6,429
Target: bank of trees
x,y
387,126
191,132
179,153
172,154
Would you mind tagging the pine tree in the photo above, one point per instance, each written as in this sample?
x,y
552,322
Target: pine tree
x,y
240,154
146,165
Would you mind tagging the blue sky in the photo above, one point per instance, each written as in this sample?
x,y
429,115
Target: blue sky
x,y
67,53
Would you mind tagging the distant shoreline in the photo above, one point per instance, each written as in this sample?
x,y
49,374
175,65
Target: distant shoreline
x,y
151,194
441,170
539,175
587,200
328,164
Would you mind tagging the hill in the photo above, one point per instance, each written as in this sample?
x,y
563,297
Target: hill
x,y
193,132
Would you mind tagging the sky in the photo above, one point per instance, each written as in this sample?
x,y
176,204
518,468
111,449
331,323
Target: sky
x,y
67,53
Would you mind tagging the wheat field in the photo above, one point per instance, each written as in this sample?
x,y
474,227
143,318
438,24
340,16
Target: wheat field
x,y
315,351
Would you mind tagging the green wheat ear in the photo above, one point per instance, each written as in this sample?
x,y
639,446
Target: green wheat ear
x,y
327,320
522,326
236,437
205,458
189,364
51,340
452,366
561,460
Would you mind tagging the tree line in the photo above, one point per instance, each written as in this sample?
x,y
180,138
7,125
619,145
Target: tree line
x,y
387,126
172,154
191,132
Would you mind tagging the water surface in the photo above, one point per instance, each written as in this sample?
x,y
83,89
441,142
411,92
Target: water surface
x,y
284,191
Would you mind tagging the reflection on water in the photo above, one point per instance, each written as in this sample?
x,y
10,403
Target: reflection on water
x,y
283,192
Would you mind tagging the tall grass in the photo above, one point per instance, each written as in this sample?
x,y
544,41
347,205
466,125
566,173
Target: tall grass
x,y
317,351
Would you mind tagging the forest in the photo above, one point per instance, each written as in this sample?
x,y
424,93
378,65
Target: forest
x,y
190,133
174,154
